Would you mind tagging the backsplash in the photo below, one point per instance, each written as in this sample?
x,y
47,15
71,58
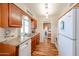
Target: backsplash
x,y
7,32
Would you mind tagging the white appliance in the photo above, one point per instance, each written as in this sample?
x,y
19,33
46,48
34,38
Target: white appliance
x,y
68,34
25,48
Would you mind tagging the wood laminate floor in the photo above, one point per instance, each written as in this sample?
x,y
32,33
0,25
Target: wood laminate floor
x,y
45,49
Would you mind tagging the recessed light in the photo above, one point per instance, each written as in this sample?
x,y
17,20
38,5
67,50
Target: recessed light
x,y
46,17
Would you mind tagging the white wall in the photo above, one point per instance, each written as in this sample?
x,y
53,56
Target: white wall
x,y
54,27
24,8
53,22
40,27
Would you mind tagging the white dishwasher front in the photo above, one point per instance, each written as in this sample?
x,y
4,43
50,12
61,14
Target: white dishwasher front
x,y
25,48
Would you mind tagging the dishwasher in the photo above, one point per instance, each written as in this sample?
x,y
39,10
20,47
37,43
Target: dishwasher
x,y
25,48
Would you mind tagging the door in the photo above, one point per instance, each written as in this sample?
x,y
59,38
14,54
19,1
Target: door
x,y
4,14
25,48
0,14
66,46
15,17
47,31
67,24
33,43
34,24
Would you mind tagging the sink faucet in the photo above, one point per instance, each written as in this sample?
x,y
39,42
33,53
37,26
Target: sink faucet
x,y
7,31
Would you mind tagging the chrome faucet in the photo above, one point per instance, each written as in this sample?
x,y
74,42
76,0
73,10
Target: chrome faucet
x,y
6,32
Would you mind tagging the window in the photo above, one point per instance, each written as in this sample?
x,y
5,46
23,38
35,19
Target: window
x,y
26,26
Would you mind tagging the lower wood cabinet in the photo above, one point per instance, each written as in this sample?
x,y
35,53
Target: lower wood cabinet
x,y
35,41
8,50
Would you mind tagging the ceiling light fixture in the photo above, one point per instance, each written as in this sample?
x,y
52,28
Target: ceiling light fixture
x,y
46,8
46,5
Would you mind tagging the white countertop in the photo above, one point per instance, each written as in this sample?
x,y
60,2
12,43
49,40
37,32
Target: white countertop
x,y
16,40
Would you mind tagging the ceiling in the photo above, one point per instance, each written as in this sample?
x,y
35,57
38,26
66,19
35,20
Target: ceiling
x,y
43,10
40,10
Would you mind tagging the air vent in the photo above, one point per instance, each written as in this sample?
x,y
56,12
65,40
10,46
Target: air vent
x,y
29,12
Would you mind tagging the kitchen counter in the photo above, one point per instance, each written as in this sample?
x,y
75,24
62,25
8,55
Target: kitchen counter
x,y
16,41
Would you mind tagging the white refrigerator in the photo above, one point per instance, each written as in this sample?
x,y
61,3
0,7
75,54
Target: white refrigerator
x,y
68,34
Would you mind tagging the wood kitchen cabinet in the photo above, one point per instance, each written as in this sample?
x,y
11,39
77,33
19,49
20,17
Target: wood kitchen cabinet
x,y
33,44
35,41
10,15
34,24
37,38
8,50
0,14
15,16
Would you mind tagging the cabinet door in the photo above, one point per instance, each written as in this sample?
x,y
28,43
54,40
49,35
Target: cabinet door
x,y
14,16
0,14
4,14
66,46
33,43
34,24
38,39
7,50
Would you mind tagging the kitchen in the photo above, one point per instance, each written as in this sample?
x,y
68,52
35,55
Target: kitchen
x,y
12,27
21,29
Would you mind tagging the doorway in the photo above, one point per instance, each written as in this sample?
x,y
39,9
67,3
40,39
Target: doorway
x,y
47,31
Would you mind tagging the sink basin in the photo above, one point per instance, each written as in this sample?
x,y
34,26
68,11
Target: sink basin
x,y
28,35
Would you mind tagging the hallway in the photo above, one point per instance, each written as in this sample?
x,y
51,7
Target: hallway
x,y
45,49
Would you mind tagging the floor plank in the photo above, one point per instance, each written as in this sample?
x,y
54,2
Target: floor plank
x,y
45,49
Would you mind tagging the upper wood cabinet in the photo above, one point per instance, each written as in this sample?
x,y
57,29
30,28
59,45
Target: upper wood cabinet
x,y
15,16
11,15
34,24
0,15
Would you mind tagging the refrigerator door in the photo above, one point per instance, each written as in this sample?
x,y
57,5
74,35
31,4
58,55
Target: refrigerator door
x,y
66,46
66,25
77,33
